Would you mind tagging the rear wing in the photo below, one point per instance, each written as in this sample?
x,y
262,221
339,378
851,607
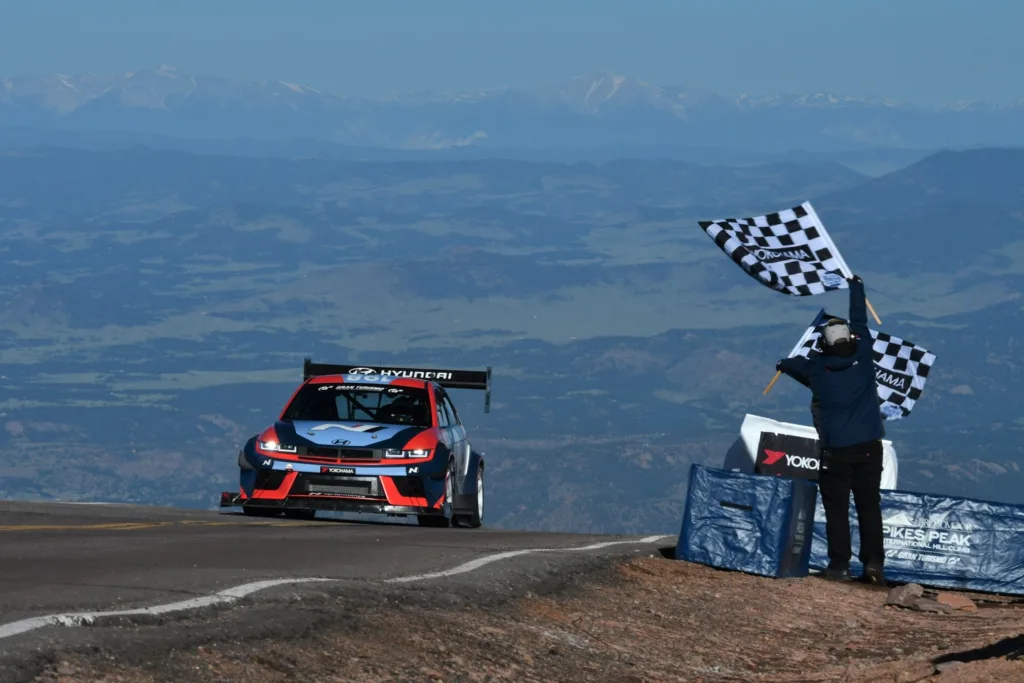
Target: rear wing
x,y
449,379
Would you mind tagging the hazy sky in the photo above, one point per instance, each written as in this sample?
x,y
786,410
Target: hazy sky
x,y
918,50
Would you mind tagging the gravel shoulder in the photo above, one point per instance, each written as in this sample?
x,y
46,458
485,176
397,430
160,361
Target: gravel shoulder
x,y
639,618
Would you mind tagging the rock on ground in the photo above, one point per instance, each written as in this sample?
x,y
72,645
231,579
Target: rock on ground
x,y
647,619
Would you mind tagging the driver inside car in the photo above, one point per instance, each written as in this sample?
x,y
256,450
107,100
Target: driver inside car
x,y
404,410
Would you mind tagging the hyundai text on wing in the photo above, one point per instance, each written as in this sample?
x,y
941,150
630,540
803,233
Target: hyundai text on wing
x,y
368,439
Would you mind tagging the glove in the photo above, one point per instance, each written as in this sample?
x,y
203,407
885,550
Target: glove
x,y
778,366
856,278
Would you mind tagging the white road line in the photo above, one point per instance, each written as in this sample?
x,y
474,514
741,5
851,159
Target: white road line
x,y
480,562
86,618
232,594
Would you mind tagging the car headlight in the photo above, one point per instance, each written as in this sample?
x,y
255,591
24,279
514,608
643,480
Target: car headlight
x,y
415,453
276,447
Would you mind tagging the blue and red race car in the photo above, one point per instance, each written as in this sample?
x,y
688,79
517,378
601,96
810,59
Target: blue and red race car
x,y
368,439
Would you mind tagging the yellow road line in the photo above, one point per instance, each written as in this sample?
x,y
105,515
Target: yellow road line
x,y
132,526
196,522
119,526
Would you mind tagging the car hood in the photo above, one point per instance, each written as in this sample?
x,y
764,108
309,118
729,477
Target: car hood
x,y
357,434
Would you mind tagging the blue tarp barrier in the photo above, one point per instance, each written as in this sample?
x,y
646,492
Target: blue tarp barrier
x,y
752,523
942,542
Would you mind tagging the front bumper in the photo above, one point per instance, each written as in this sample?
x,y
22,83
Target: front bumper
x,y
229,499
388,489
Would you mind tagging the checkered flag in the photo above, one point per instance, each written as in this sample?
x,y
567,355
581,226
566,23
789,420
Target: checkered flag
x,y
789,250
901,367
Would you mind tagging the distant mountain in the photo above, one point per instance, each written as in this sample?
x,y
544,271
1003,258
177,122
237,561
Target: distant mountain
x,y
100,181
585,113
994,177
155,307
958,211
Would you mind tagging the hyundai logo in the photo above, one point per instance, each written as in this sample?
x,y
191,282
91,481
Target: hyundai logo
x,y
341,442
362,371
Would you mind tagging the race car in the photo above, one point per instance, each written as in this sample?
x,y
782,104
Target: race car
x,y
354,438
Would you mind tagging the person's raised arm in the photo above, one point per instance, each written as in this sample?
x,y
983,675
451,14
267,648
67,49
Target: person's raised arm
x,y
858,308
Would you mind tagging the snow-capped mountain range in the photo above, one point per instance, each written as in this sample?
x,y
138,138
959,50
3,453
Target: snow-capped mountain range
x,y
585,112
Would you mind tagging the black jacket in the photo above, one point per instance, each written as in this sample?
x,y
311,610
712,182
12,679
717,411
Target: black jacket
x,y
844,389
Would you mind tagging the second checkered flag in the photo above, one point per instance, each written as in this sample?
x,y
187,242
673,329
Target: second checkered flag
x,y
789,251
901,367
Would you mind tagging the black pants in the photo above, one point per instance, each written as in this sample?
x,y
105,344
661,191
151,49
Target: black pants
x,y
858,469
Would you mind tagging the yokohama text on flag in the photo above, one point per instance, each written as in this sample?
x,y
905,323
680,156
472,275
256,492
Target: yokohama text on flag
x,y
789,250
901,367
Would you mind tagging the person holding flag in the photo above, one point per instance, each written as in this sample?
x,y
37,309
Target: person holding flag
x,y
850,430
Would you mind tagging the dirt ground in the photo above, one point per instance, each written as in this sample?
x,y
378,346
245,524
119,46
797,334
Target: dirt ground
x,y
649,619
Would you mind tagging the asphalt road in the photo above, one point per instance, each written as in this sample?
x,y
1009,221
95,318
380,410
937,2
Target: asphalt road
x,y
59,558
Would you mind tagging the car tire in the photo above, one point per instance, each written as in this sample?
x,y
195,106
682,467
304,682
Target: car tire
x,y
300,514
475,518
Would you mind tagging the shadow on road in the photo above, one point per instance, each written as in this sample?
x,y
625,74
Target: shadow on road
x,y
320,518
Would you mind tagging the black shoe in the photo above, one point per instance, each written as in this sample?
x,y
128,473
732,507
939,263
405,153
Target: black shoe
x,y
834,572
874,574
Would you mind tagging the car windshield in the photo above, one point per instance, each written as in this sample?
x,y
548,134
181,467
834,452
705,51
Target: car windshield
x,y
359,402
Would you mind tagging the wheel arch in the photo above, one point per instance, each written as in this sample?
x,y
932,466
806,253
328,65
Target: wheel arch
x,y
476,463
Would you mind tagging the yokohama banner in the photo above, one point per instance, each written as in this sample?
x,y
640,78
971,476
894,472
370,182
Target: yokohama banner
x,y
944,542
788,449
787,455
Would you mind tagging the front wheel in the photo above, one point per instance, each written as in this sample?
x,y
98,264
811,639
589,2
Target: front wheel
x,y
475,518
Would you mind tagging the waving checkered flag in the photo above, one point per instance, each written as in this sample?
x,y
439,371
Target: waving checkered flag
x,y
789,250
901,367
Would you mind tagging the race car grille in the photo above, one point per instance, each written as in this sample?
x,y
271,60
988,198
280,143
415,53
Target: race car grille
x,y
333,454
368,487
359,489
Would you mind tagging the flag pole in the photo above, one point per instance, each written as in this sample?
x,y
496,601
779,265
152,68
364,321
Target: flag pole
x,y
838,257
872,309
778,373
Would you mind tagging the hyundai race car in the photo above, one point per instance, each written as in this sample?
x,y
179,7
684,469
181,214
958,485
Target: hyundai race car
x,y
368,439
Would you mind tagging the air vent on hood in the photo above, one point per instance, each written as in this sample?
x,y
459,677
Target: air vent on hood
x,y
335,454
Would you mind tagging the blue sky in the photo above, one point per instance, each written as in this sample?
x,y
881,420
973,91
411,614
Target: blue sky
x,y
916,50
